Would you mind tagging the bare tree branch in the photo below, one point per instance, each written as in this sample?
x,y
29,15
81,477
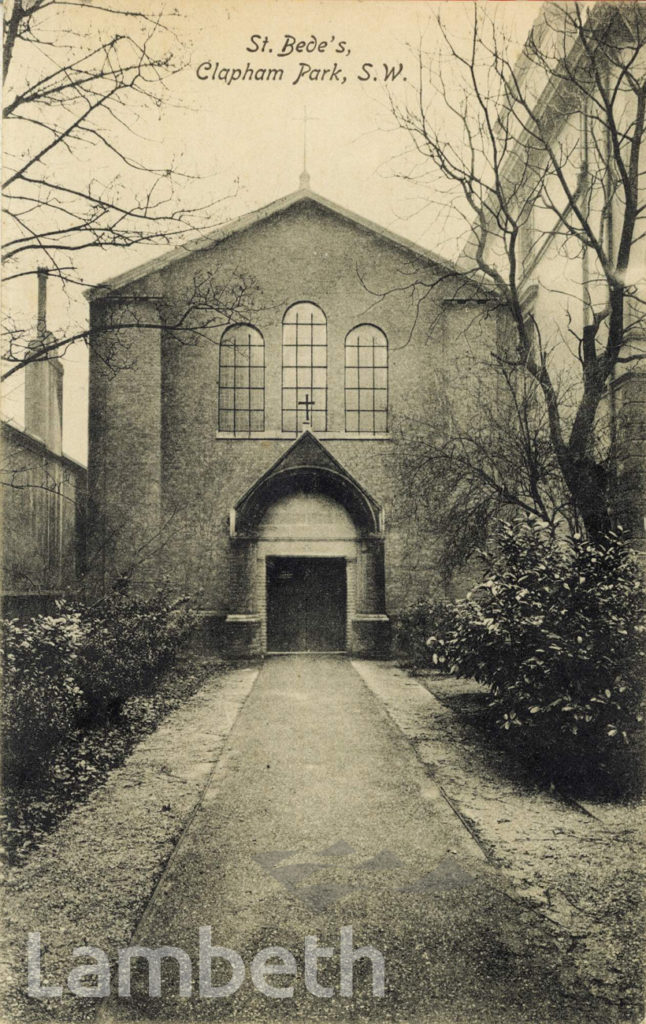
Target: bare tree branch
x,y
90,94
557,136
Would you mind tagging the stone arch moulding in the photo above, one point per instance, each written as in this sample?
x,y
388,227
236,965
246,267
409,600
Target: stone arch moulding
x,y
261,536
306,467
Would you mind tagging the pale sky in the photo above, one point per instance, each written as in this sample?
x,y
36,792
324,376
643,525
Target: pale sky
x,y
244,140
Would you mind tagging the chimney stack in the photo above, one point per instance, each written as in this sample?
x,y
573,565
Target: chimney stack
x,y
41,323
44,381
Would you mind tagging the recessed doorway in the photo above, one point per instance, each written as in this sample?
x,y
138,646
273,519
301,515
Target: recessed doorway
x,y
306,604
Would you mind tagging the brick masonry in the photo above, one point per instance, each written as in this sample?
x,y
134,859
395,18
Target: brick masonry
x,y
163,481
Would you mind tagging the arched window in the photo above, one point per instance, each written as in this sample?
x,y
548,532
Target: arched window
x,y
242,380
304,367
366,380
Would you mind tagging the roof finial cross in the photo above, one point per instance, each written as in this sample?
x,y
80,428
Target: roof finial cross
x,y
304,181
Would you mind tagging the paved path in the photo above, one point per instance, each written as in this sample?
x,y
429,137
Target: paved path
x,y
320,816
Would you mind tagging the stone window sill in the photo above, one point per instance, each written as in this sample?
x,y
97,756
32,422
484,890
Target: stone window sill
x,y
277,435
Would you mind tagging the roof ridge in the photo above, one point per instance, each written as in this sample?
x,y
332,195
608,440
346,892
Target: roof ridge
x,y
253,217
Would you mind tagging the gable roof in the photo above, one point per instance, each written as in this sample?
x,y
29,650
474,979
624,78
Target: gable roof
x,y
308,451
249,220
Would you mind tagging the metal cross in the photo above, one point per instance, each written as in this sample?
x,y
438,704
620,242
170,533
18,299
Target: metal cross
x,y
308,403
305,178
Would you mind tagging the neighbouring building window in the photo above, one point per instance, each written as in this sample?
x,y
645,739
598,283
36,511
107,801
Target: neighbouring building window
x,y
366,380
304,368
242,380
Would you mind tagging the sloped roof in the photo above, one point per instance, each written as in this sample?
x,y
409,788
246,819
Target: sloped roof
x,y
308,451
248,220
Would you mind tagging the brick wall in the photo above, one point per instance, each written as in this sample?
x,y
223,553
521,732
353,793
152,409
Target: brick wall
x,y
157,463
43,506
124,482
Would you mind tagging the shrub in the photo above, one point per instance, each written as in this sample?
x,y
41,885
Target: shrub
x,y
41,699
421,633
557,631
76,669
130,640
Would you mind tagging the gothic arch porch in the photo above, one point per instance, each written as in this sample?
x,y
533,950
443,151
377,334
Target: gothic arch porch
x,y
307,550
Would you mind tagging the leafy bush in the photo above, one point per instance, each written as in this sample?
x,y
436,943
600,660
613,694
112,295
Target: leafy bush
x,y
77,668
557,631
416,626
32,807
129,641
42,699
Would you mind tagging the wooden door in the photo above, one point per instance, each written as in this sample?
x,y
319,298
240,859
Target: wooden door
x,y
306,604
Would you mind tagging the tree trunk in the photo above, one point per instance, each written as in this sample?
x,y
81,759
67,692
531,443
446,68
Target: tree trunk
x,y
588,484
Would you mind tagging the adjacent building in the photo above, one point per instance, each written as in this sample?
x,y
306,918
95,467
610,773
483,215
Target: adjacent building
x,y
573,170
43,493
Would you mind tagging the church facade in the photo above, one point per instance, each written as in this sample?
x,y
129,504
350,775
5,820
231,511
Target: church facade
x,y
254,461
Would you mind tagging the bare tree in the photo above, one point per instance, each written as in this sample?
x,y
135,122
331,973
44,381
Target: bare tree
x,y
215,299
546,154
482,450
83,82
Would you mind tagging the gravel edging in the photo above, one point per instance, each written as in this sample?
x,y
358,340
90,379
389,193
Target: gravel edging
x,y
89,882
582,874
